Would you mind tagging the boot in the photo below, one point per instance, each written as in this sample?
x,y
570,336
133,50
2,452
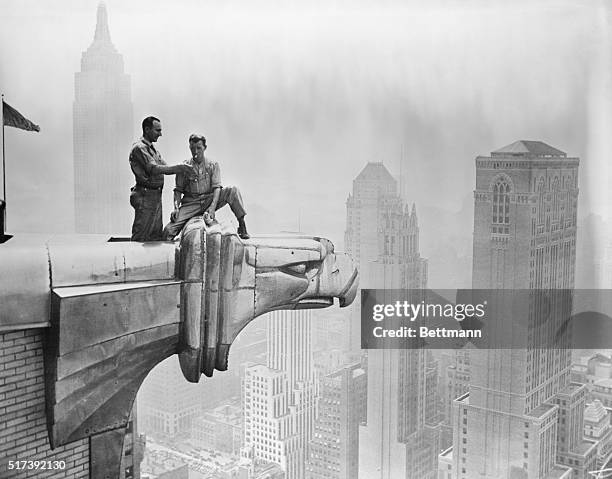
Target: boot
x,y
242,229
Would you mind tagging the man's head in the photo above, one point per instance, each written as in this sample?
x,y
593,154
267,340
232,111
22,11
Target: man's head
x,y
151,128
197,146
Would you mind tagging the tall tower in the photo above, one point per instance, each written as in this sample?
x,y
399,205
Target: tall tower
x,y
381,229
103,133
280,398
511,423
334,448
382,234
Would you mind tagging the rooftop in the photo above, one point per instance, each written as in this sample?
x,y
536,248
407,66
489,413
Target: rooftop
x,y
541,411
465,398
595,411
448,453
571,388
375,172
606,383
529,148
581,448
559,472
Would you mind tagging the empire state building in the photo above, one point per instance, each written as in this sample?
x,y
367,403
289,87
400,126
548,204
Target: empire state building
x,y
103,133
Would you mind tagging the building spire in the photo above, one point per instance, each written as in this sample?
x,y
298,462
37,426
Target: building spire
x,y
102,32
414,222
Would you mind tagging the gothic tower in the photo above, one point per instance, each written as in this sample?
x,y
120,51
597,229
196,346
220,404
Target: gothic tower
x,y
382,235
511,423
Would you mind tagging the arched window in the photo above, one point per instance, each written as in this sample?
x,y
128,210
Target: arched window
x,y
541,206
501,206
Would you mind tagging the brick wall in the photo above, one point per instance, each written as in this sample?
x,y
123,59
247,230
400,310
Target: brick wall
x,y
23,427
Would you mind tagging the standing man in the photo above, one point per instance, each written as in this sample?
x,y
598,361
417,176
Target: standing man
x,y
203,194
149,169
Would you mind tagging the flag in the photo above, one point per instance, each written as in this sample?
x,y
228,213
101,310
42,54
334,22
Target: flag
x,y
13,118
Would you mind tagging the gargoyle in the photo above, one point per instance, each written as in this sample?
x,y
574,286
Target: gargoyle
x,y
115,309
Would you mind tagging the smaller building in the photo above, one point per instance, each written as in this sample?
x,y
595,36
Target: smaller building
x,y
457,380
167,404
572,449
248,469
602,390
597,428
445,464
590,369
334,447
219,429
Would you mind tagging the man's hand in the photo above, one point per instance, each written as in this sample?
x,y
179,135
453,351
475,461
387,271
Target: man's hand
x,y
211,212
174,214
187,171
208,219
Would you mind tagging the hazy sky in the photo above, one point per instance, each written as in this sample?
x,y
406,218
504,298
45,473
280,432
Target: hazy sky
x,y
296,97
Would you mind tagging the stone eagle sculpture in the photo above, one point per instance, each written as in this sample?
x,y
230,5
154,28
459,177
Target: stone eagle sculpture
x,y
115,309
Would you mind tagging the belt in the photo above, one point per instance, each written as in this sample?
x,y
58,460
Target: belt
x,y
199,196
146,188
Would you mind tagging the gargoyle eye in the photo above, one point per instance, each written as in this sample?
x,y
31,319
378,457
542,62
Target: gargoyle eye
x,y
297,268
312,268
308,268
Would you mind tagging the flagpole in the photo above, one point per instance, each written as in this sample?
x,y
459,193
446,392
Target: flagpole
x,y
3,173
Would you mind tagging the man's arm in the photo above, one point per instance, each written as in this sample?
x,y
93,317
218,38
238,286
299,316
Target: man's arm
x,y
171,169
139,159
177,204
216,185
213,206
179,190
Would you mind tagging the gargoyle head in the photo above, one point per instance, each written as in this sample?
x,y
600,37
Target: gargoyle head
x,y
228,282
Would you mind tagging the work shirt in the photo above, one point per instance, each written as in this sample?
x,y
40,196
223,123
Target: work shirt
x,y
143,158
207,178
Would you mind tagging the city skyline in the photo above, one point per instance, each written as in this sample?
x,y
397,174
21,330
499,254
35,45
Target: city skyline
x,y
422,139
371,143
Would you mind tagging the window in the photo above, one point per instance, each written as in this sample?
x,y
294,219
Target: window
x,y
501,207
556,195
541,204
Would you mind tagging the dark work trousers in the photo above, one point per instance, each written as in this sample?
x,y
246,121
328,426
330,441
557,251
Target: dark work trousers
x,y
147,204
196,206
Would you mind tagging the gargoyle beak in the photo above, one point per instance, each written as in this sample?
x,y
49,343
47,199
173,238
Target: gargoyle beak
x,y
348,296
338,279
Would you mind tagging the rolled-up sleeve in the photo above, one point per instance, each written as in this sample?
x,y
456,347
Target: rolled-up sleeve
x,y
180,182
138,164
142,164
215,180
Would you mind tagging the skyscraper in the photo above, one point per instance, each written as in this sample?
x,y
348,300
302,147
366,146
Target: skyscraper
x,y
334,448
382,235
103,134
280,398
512,422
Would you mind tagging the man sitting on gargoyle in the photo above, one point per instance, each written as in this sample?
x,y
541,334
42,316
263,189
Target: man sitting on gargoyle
x,y
202,194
